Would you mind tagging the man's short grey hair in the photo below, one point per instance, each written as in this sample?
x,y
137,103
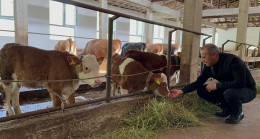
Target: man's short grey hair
x,y
212,48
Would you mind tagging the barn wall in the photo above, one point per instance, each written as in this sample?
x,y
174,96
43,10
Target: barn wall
x,y
38,21
230,34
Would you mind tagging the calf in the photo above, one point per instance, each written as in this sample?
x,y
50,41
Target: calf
x,y
66,46
155,48
35,68
123,66
133,46
153,61
174,49
98,47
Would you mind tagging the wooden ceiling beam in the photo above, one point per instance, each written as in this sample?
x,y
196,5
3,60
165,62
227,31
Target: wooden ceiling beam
x,y
230,12
212,25
156,7
156,0
229,22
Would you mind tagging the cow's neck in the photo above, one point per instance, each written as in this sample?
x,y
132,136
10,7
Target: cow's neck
x,y
78,69
148,80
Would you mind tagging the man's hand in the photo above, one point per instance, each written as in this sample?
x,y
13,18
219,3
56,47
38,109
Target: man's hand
x,y
211,87
175,93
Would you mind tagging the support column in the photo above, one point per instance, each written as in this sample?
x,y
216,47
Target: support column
x,y
214,35
21,21
190,42
149,27
258,52
242,25
178,33
103,20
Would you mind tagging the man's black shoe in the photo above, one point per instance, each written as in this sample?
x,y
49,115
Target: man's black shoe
x,y
226,112
234,119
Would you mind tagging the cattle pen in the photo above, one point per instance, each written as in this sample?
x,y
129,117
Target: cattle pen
x,y
29,119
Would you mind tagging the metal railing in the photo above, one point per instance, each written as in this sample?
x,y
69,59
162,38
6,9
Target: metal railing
x,y
240,44
109,56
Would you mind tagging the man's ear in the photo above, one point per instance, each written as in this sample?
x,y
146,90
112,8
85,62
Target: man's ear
x,y
214,54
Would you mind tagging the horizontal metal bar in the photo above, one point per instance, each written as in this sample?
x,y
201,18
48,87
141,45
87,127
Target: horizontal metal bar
x,y
52,109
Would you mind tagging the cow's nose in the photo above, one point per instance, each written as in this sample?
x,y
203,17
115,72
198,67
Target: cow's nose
x,y
98,82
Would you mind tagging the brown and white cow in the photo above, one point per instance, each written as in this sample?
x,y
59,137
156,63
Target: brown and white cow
x,y
156,82
36,68
153,61
98,47
66,46
155,48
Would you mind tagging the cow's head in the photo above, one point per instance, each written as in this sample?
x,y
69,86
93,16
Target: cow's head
x,y
158,84
88,67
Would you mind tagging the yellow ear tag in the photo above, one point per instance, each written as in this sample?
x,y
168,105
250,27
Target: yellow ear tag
x,y
100,61
72,63
158,82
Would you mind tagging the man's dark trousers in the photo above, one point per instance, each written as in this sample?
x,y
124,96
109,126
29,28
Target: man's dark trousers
x,y
232,98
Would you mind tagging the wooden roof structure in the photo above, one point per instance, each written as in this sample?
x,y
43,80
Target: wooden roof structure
x,y
228,21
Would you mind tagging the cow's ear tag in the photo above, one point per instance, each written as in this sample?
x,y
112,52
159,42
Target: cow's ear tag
x,y
158,81
73,60
100,62
72,63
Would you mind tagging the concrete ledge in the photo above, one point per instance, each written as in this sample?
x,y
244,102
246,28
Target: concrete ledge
x,y
76,122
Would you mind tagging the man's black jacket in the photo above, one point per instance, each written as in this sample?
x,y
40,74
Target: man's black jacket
x,y
230,71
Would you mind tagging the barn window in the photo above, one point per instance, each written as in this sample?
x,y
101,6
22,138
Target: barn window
x,y
136,31
114,27
7,17
158,34
62,20
173,37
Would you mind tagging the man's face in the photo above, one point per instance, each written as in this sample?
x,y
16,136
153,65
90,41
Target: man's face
x,y
208,59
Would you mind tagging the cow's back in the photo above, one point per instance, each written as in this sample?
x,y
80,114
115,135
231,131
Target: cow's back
x,y
150,61
66,46
133,46
153,61
155,48
29,63
174,48
98,47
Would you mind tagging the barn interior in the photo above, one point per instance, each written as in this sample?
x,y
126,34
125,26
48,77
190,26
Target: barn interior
x,y
233,25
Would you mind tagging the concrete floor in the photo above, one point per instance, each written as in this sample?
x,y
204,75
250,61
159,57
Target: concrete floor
x,y
215,128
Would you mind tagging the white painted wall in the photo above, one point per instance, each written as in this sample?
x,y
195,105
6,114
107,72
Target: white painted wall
x,y
230,34
38,22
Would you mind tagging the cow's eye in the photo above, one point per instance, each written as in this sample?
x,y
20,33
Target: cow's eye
x,y
164,84
86,68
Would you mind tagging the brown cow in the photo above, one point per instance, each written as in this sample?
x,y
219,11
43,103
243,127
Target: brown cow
x,y
153,61
25,63
121,65
174,49
67,46
98,47
155,48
